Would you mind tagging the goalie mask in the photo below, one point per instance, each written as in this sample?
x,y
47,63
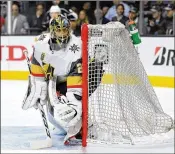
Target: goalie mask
x,y
60,32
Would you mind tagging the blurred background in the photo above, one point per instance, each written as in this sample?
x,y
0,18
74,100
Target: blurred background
x,y
155,18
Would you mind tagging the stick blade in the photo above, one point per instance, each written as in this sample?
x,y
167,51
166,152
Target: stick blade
x,y
41,144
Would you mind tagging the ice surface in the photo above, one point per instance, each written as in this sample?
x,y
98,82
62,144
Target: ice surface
x,y
19,127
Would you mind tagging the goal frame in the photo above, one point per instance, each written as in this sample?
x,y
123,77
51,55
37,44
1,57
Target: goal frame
x,y
84,38
85,29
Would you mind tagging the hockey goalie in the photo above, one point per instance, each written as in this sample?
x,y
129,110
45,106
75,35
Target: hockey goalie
x,y
56,75
57,56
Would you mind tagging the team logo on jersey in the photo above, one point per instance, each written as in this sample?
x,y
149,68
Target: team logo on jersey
x,y
49,70
74,48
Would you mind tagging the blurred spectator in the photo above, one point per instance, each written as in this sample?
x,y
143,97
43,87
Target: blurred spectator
x,y
52,13
133,15
81,20
157,23
61,9
72,16
170,9
61,5
73,8
147,12
147,4
3,10
101,15
35,21
19,21
105,10
120,14
2,22
89,12
160,3
112,11
56,2
73,24
64,8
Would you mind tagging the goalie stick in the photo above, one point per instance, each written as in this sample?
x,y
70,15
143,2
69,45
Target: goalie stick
x,y
39,144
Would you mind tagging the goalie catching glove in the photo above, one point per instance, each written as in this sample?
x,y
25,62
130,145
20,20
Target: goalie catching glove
x,y
67,112
37,90
70,114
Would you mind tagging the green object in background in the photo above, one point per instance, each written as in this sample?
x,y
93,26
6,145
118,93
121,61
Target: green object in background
x,y
135,36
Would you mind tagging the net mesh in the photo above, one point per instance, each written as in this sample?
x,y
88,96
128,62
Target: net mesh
x,y
122,103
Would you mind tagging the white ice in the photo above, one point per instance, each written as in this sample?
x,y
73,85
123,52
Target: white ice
x,y
19,126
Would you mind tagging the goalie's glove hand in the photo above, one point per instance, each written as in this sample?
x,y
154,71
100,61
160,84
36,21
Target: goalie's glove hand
x,y
63,110
37,90
76,105
69,110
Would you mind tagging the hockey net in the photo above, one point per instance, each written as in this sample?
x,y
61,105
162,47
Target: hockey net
x,y
119,103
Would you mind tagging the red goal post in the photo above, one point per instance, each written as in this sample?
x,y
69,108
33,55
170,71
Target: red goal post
x,y
84,37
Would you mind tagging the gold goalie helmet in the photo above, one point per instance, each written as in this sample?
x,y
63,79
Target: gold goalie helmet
x,y
59,31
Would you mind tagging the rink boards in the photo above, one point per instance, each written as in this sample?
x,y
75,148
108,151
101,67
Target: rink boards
x,y
156,53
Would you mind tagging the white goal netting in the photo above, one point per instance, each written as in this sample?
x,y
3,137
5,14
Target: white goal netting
x,y
122,103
